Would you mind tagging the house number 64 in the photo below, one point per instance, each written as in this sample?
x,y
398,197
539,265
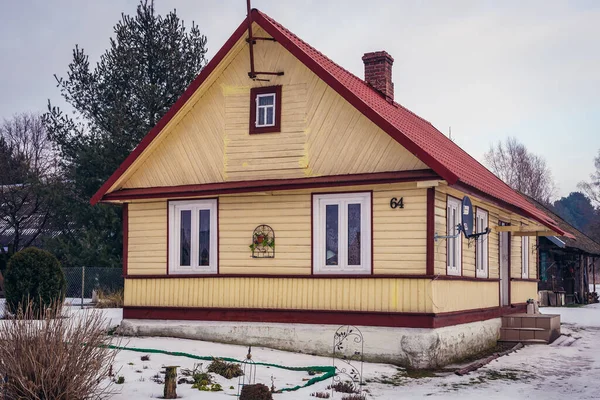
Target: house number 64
x,y
397,203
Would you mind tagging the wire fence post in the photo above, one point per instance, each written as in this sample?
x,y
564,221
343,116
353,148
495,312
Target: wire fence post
x,y
82,285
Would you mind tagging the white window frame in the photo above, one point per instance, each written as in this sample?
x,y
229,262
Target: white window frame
x,y
320,201
525,257
265,107
175,208
453,245
481,246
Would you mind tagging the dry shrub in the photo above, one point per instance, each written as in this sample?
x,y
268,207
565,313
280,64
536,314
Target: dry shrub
x,y
354,397
321,395
343,387
255,392
110,299
225,369
62,358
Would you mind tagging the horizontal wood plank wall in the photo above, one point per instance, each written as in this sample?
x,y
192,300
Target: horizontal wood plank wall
x,y
380,295
521,291
147,246
450,296
321,133
468,250
399,235
288,215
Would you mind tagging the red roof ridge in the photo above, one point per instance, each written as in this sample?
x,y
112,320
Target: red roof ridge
x,y
396,104
413,132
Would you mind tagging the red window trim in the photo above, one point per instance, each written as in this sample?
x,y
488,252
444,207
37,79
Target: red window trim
x,y
265,90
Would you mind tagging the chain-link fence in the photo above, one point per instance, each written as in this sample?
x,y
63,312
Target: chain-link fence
x,y
81,282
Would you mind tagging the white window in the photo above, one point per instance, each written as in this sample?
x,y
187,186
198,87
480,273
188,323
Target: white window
x,y
265,110
481,247
193,236
454,247
342,233
525,257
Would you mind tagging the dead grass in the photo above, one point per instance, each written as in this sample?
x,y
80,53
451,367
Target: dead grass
x,y
110,299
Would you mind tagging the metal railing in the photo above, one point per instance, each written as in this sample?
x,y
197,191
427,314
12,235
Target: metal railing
x,y
83,281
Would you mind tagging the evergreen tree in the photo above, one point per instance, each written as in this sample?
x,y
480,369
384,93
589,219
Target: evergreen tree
x,y
149,63
577,210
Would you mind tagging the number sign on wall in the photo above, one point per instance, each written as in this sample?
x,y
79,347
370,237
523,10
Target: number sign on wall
x,y
397,203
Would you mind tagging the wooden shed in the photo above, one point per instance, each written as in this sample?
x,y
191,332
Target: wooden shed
x,y
567,273
281,188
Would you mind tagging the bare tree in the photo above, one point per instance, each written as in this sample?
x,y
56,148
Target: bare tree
x,y
521,169
28,181
28,137
592,188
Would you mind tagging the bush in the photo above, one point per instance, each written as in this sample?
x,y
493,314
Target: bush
x,y
225,369
56,358
256,392
35,276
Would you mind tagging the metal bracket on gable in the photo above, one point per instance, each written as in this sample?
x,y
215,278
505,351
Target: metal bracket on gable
x,y
251,42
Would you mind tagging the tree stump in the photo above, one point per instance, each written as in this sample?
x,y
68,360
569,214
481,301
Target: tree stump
x,y
170,382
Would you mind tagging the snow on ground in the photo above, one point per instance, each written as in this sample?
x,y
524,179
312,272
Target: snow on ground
x,y
538,371
548,372
76,301
583,316
113,316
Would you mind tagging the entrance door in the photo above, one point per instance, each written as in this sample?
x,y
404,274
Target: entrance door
x,y
504,266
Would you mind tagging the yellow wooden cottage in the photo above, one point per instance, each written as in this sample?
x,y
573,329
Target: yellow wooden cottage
x,y
281,196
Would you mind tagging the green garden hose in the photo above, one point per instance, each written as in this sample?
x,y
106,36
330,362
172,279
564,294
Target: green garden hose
x,y
328,371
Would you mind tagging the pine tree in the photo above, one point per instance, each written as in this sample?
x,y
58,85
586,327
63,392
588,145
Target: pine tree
x,y
149,63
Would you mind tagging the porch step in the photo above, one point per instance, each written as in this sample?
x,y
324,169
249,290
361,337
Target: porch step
x,y
530,328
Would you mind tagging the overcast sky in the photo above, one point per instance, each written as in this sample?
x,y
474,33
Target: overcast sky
x,y
488,69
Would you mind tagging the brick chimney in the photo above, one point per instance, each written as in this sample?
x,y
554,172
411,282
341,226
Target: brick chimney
x,y
378,73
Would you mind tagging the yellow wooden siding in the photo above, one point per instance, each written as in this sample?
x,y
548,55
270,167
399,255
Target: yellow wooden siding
x,y
381,295
495,214
288,215
399,235
453,295
321,133
517,260
521,291
147,240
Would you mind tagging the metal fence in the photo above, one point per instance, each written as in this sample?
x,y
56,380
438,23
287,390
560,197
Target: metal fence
x,y
81,282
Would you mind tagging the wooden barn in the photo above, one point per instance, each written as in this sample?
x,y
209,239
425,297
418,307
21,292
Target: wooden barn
x,y
282,195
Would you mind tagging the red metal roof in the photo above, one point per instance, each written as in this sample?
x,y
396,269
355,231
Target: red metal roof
x,y
411,131
456,164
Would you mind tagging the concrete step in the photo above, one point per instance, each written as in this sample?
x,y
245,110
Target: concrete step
x,y
523,334
530,327
524,329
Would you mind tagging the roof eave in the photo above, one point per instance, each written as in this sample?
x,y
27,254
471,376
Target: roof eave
x,y
511,207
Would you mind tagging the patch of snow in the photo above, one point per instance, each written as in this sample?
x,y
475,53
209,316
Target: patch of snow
x,y
76,301
585,316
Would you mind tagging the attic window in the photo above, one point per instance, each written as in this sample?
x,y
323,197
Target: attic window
x,y
265,109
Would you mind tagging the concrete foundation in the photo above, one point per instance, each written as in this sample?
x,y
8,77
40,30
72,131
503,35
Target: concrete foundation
x,y
409,347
